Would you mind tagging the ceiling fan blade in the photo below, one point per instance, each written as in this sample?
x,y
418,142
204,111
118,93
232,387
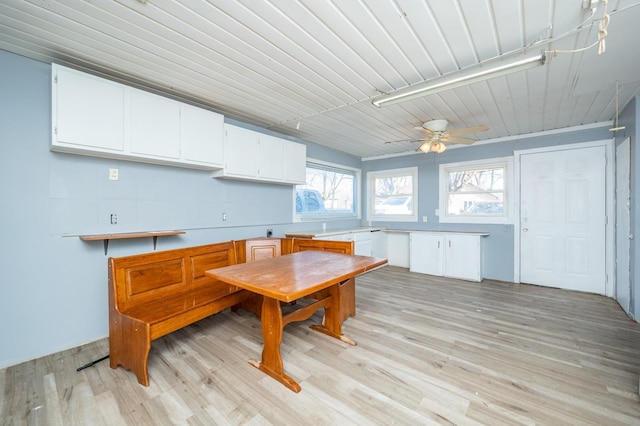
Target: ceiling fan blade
x,y
472,129
457,139
427,131
408,140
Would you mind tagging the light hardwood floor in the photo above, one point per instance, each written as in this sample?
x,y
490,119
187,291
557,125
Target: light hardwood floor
x,y
430,351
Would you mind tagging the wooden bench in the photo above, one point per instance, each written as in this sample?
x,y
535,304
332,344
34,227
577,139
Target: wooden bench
x,y
154,294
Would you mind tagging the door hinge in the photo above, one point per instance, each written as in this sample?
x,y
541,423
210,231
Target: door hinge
x,y
55,79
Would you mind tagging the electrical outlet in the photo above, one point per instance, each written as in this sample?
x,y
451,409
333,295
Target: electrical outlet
x,y
224,216
113,174
425,218
114,219
269,233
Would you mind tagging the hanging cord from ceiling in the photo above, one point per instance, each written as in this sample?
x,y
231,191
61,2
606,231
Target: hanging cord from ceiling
x,y
617,127
603,23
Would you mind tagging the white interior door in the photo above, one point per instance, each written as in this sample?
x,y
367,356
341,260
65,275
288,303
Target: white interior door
x,y
623,229
562,219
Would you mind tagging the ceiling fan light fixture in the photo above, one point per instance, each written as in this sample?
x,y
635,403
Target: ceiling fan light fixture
x,y
425,147
456,80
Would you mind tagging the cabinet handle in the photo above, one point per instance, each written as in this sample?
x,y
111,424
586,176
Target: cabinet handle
x,y
449,243
438,244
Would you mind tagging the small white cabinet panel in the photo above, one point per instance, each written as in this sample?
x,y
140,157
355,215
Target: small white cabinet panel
x,y
426,254
241,152
155,125
463,257
446,254
270,158
202,136
88,112
295,163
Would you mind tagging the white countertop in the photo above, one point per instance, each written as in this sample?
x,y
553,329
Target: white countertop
x,y
328,232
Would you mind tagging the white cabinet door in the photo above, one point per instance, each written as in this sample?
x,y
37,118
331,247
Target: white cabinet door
x,y
241,152
155,125
295,163
426,253
270,158
202,136
88,112
463,257
379,244
361,242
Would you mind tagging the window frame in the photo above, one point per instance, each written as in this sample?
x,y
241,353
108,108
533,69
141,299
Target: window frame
x,y
508,191
329,216
373,175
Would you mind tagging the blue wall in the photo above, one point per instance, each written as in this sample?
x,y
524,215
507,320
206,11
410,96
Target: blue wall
x,y
629,119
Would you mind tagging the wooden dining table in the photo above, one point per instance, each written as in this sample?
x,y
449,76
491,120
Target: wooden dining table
x,y
288,278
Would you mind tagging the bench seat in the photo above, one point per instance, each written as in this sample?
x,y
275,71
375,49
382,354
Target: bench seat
x,y
154,294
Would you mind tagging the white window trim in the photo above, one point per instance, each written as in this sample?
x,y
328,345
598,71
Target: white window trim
x,y
413,171
509,194
297,218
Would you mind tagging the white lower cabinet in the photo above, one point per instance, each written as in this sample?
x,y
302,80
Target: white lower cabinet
x,y
450,255
426,253
362,241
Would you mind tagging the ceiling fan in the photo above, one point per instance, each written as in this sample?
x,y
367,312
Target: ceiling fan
x,y
437,135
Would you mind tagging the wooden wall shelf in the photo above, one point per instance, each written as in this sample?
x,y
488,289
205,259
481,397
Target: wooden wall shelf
x,y
124,235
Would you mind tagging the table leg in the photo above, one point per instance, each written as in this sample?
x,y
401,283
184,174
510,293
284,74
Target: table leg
x,y
332,321
272,325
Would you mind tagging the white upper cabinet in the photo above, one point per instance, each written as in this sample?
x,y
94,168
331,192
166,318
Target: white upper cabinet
x,y
95,116
254,156
295,165
82,104
155,125
241,152
271,157
202,136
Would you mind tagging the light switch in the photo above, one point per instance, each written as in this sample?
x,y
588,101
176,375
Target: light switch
x,y
113,174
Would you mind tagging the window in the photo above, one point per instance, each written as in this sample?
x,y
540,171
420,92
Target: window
x,y
331,191
476,191
393,195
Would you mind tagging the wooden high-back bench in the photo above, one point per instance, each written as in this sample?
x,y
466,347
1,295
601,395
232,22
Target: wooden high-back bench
x,y
154,294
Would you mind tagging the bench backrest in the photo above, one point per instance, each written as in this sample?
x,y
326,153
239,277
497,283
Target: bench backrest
x,y
301,244
144,278
257,249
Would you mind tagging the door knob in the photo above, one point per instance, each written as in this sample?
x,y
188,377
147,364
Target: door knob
x,y
525,229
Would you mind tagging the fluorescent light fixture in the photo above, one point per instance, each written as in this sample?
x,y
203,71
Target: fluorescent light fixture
x,y
431,87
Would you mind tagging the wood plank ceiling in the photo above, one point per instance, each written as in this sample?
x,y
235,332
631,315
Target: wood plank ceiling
x,y
310,68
